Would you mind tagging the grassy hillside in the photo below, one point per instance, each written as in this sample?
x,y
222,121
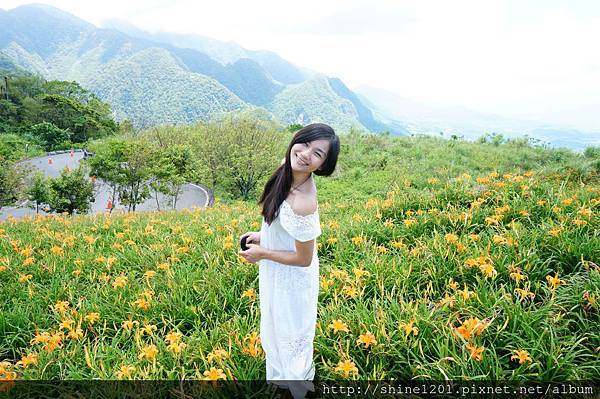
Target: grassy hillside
x,y
438,259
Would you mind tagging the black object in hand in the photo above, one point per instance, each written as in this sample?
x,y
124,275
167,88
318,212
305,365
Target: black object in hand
x,y
243,243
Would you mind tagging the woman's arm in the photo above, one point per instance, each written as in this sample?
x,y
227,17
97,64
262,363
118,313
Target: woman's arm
x,y
301,257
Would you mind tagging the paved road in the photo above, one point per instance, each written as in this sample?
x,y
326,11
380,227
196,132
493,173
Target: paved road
x,y
192,195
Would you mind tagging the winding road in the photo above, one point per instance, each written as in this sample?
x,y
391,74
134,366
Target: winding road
x,y
192,195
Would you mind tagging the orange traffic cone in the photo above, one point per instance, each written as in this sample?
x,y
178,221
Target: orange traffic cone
x,y
109,204
49,161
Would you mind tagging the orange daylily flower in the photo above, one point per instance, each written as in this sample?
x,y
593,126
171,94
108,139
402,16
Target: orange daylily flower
x,y
554,282
27,360
347,367
214,374
125,371
148,352
367,339
338,325
522,356
475,351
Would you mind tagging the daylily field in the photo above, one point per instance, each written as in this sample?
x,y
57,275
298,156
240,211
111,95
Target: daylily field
x,y
487,272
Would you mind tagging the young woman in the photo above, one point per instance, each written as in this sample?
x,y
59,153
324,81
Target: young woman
x,y
286,251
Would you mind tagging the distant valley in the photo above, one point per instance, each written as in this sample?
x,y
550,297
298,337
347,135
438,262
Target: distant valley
x,y
420,118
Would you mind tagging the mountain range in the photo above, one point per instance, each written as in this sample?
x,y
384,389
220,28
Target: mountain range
x,y
170,78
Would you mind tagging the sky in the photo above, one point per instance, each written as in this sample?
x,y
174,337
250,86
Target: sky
x,y
536,58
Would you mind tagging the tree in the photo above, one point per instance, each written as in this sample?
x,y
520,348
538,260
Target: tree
x,y
71,192
294,127
103,165
134,175
211,152
171,169
241,150
8,115
14,147
85,121
125,127
39,190
127,167
50,136
31,101
10,182
71,90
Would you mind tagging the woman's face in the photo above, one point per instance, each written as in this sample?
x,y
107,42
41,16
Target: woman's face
x,y
308,157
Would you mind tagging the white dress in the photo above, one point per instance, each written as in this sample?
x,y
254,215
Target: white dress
x,y
288,302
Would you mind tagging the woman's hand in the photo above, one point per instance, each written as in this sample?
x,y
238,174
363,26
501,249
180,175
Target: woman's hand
x,y
254,253
253,237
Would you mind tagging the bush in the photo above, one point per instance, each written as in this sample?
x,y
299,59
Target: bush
x,y
39,190
592,152
14,147
50,136
10,182
494,138
71,192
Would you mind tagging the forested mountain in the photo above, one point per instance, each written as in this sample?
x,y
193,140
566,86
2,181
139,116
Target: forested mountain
x,y
8,65
244,77
315,100
151,81
223,52
152,86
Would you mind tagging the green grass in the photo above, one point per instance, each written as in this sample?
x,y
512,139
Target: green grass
x,y
411,210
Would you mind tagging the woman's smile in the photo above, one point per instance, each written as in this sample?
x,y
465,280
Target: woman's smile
x,y
300,161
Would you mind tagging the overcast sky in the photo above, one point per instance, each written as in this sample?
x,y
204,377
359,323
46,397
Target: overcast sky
x,y
500,56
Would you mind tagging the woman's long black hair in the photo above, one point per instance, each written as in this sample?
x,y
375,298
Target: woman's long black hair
x,y
279,184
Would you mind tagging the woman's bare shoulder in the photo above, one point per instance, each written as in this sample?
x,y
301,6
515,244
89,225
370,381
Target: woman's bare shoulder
x,y
304,204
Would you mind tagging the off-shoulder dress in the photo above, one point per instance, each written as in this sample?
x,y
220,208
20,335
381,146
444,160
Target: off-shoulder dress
x,y
288,301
